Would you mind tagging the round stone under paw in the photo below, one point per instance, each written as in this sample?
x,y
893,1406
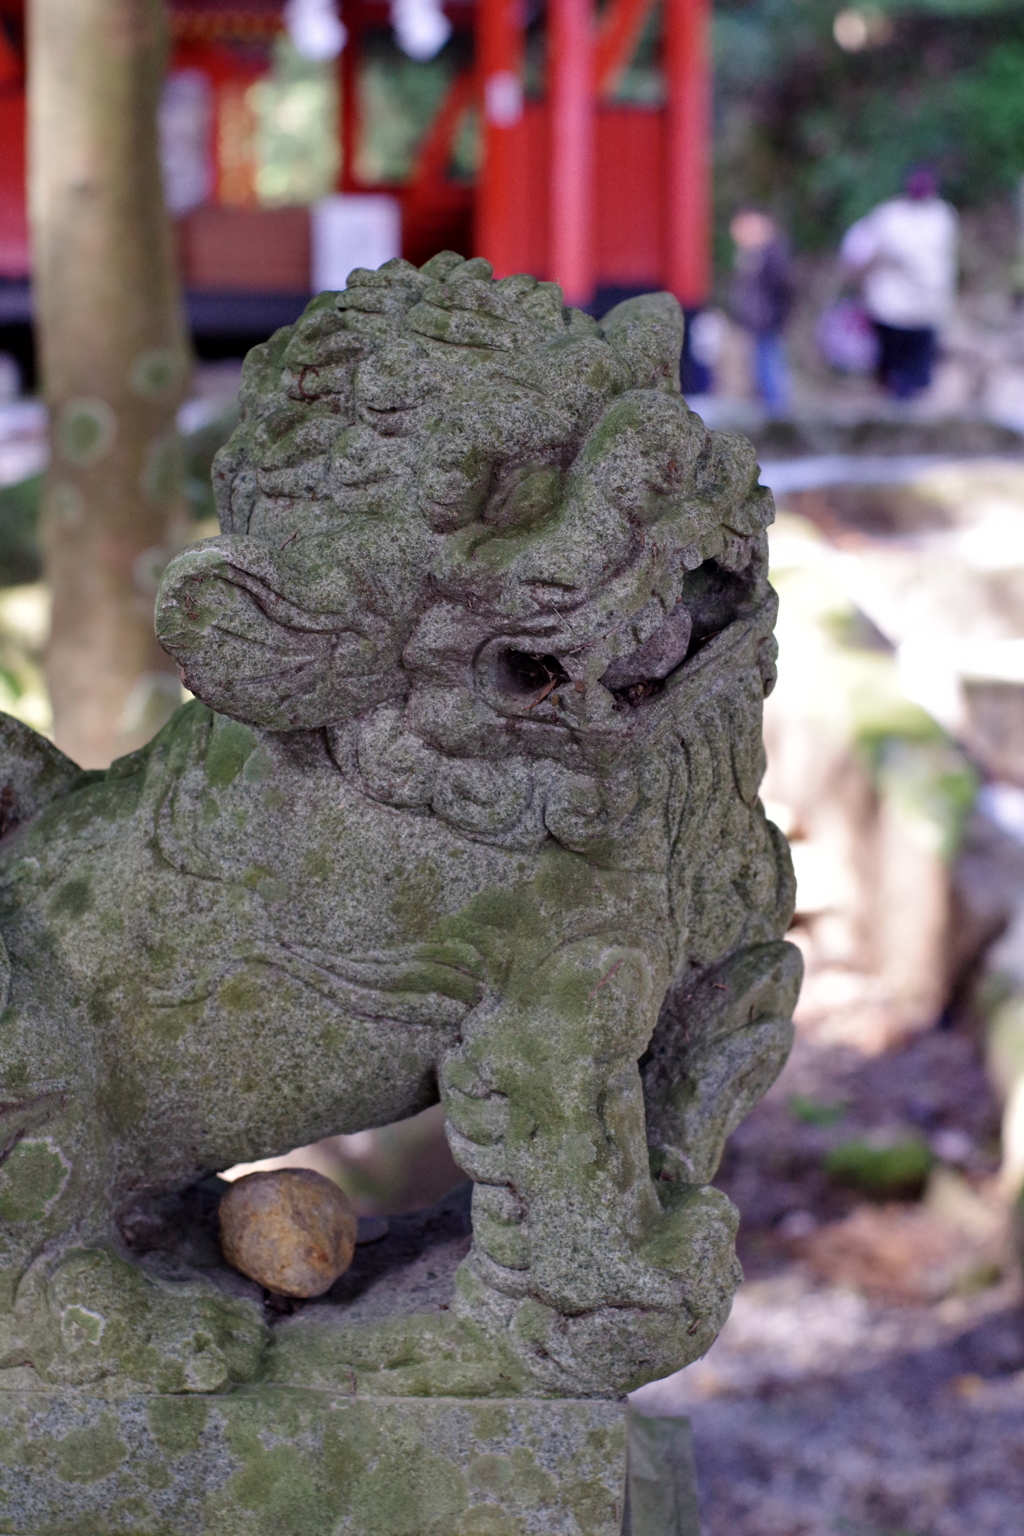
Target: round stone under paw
x,y
291,1230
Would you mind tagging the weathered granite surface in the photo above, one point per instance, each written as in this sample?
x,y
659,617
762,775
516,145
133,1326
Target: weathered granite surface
x,y
466,807
268,1461
275,1461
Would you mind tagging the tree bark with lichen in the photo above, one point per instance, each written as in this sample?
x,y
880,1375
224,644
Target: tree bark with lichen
x,y
114,360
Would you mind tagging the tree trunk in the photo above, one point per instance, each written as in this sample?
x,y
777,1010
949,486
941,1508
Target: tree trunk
x,y
114,365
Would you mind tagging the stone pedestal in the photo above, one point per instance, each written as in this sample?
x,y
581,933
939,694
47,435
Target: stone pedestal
x,y
660,1496
280,1461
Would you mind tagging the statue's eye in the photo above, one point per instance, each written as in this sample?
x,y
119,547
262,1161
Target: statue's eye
x,y
525,673
526,500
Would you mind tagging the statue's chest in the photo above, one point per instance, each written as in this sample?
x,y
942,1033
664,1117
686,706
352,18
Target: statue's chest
x,y
234,843
322,863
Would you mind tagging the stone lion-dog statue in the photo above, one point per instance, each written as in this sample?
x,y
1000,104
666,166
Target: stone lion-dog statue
x,y
465,808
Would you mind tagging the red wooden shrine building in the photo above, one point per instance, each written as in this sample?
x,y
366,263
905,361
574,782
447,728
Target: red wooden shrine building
x,y
573,178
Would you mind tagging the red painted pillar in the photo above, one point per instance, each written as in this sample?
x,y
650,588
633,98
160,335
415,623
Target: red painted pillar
x,y
349,114
571,92
499,41
688,151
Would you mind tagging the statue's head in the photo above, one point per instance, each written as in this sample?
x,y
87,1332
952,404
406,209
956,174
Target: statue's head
x,y
455,495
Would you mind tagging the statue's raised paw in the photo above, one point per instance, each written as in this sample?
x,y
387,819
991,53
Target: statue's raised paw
x,y
720,1042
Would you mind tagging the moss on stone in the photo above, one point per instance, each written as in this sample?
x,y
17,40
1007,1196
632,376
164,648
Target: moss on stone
x,y
72,899
31,1177
228,753
90,1454
177,1423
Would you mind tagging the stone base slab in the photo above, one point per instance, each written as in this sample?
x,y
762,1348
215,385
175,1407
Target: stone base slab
x,y
280,1461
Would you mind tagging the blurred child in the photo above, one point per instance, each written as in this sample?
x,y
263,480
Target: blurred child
x,y
760,299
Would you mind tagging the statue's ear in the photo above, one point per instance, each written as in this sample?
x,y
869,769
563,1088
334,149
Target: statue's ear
x,y
247,650
647,333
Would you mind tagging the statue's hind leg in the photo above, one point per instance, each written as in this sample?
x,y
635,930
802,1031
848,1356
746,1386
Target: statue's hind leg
x,y
71,1307
90,1315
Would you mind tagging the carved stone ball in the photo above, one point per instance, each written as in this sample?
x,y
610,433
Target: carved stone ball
x,y
291,1230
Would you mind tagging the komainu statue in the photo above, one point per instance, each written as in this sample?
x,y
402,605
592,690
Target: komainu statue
x,y
464,809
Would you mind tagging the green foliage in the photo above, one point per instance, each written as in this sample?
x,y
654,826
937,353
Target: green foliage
x,y
810,1112
822,135
398,98
988,117
19,543
898,1171
296,128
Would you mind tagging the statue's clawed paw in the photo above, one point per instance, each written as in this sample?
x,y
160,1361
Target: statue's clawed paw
x,y
717,1048
637,1313
101,1317
694,1242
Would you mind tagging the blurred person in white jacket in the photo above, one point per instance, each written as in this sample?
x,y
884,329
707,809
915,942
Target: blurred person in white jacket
x,y
906,251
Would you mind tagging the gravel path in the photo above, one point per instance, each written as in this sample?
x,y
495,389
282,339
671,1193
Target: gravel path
x,y
817,1413
868,1382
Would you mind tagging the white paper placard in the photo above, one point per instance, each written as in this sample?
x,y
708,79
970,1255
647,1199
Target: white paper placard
x,y
352,230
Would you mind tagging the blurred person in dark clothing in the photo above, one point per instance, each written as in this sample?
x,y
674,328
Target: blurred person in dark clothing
x,y
760,299
906,251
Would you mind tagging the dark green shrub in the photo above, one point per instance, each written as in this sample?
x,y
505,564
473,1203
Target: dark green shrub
x,y
896,1172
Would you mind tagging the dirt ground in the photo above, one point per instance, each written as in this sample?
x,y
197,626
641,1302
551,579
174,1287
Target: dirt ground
x,y
870,1381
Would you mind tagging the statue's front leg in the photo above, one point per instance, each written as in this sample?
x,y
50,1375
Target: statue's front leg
x,y
574,1251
